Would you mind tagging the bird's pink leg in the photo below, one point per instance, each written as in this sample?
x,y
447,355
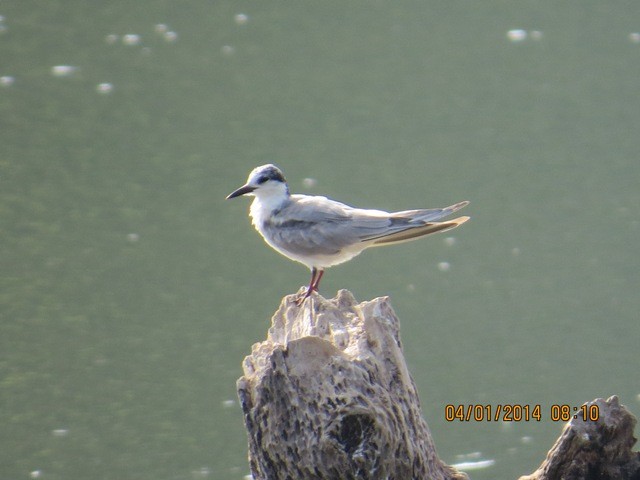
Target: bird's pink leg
x,y
317,282
316,275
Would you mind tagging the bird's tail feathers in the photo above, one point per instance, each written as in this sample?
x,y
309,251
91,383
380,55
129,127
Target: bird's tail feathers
x,y
417,232
428,215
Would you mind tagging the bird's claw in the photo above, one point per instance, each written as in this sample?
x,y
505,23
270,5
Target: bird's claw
x,y
303,296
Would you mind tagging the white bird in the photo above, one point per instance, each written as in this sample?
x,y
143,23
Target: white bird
x,y
320,233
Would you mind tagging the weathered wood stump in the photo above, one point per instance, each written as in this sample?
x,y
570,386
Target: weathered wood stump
x,y
328,396
598,450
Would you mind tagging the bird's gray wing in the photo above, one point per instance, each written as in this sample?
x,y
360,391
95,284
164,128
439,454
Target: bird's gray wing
x,y
319,226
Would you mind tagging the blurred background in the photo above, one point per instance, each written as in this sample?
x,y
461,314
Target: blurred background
x,y
130,290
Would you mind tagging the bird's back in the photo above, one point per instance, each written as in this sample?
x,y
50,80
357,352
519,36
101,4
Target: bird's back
x,y
318,231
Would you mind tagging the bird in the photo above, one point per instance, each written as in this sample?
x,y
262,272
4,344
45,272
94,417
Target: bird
x,y
321,233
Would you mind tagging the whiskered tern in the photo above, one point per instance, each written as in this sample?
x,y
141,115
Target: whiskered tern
x,y
320,233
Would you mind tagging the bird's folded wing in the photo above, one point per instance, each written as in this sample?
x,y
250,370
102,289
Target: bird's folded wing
x,y
319,226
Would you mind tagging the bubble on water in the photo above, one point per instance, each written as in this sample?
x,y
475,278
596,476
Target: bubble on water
x,y
241,18
160,28
133,237
228,403
111,39
517,35
469,456
36,474
63,70
104,88
202,472
100,361
634,37
131,39
309,182
60,432
7,81
228,50
444,266
450,241
170,36
478,465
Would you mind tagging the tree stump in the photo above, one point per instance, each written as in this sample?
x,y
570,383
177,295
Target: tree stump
x,y
598,450
328,396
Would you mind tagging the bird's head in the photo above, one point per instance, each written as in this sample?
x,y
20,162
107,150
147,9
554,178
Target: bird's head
x,y
266,181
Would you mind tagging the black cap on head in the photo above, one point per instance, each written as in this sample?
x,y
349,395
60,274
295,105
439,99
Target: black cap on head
x,y
267,172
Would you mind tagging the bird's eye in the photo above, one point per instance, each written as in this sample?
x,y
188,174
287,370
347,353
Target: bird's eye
x,y
262,179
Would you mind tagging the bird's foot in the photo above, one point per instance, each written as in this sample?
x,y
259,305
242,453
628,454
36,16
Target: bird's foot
x,y
316,275
304,295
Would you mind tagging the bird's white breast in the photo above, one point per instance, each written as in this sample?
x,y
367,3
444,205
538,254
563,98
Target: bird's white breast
x,y
262,210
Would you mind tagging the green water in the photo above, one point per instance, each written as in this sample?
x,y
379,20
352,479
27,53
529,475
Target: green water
x,y
131,291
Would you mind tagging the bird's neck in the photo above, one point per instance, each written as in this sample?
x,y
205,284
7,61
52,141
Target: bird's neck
x,y
263,207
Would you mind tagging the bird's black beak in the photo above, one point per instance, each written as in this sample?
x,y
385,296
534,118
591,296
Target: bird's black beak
x,y
243,190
